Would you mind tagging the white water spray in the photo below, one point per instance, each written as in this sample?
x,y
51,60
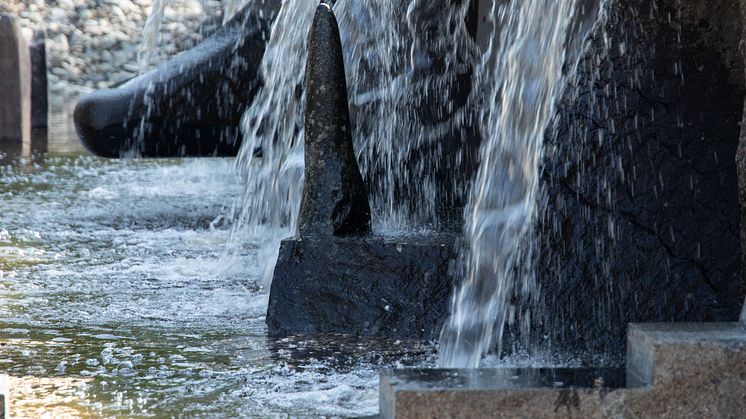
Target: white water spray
x,y
524,80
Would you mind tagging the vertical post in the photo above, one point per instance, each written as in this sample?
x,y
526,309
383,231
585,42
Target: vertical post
x,y
15,85
39,90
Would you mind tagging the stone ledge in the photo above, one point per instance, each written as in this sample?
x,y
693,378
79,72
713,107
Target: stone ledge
x,y
498,393
676,370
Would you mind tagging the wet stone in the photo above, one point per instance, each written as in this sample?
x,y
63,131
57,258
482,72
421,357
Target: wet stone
x,y
335,277
335,200
362,286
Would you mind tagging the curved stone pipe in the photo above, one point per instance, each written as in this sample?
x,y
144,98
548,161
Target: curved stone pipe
x,y
190,106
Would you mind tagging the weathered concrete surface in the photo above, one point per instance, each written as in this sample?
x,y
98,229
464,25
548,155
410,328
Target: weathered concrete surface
x,y
689,370
335,200
642,220
364,286
686,370
189,106
496,393
15,89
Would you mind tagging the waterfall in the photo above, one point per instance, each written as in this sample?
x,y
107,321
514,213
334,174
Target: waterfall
x,y
523,78
150,34
399,58
268,208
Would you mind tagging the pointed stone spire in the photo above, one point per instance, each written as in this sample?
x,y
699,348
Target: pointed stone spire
x,y
335,201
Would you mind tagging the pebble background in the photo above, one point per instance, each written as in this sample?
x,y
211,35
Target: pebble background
x,y
92,44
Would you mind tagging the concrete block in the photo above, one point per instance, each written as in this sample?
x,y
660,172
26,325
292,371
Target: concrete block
x,y
15,85
39,91
674,370
497,393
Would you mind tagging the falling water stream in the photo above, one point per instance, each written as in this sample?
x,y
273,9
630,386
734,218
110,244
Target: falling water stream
x,y
119,299
524,79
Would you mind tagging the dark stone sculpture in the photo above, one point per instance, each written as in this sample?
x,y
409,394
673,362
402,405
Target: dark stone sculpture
x,y
189,106
336,277
334,197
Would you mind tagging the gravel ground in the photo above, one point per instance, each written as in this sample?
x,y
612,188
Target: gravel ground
x,y
93,44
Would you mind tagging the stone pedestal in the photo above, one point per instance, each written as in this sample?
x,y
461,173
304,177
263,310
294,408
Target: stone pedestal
x,y
363,286
674,370
336,277
15,85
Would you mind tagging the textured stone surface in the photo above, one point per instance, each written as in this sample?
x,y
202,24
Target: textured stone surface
x,y
335,201
367,286
692,370
15,86
190,105
642,219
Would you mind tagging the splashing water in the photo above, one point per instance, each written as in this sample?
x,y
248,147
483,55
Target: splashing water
x,y
231,7
400,59
150,34
269,207
409,76
525,80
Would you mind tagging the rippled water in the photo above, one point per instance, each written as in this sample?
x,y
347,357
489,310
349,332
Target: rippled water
x,y
116,297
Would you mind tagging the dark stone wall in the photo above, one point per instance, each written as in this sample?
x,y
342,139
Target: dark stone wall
x,y
642,219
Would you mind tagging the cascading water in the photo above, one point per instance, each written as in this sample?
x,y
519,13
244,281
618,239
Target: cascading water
x,y
390,83
524,79
269,206
409,75
150,34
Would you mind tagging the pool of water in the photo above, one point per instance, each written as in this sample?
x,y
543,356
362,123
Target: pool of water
x,y
119,297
